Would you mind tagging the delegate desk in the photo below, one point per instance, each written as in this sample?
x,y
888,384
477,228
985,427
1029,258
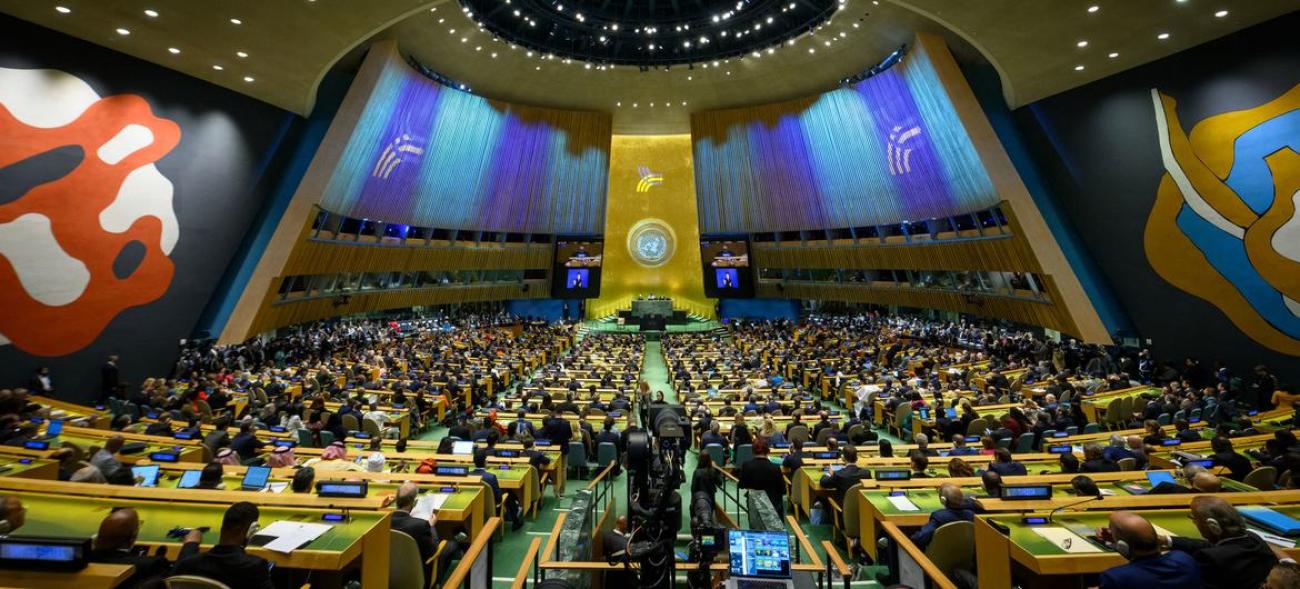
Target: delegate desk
x,y
94,417
1039,562
1095,406
341,548
27,467
877,507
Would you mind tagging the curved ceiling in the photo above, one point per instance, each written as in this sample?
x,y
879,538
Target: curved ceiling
x,y
278,51
648,33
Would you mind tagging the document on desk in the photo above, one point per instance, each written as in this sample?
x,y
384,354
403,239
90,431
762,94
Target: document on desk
x,y
1067,540
1163,532
290,536
429,503
275,487
902,503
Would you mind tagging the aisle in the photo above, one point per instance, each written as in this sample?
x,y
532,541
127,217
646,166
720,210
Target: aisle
x,y
654,370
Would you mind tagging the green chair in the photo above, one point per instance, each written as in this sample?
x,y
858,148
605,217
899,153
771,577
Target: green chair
x,y
798,432
1004,443
1262,478
304,438
1127,464
405,569
717,453
744,453
1164,419
1072,430
577,457
1025,443
952,547
1091,428
977,426
606,452
326,438
846,521
350,422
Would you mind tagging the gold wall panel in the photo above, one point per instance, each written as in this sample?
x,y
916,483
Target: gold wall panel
x,y
651,197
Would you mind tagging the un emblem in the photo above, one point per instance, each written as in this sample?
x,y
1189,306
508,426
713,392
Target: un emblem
x,y
1224,225
651,242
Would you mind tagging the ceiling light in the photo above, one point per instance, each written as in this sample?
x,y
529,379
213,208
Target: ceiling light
x,y
618,104
633,105
1113,54
241,54
1082,43
1221,14
248,78
235,21
812,50
63,9
1162,36
174,51
151,13
683,103
218,68
1078,68
1094,8
123,32
494,55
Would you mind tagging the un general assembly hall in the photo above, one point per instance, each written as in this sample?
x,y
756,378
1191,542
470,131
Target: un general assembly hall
x,y
650,294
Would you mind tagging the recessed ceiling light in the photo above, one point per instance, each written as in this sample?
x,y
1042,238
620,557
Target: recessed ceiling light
x,y
1162,36
494,56
218,68
1113,54
618,104
241,54
633,105
173,51
62,9
1094,8
683,103
235,21
1221,14
1078,68
1082,43
248,78
151,13
123,32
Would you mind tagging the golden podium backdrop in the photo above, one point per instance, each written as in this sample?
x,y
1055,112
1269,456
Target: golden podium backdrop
x,y
652,232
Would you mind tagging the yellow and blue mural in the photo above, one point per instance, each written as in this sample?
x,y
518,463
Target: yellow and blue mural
x,y
1224,225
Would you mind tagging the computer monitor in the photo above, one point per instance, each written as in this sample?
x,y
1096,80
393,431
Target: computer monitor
x,y
256,478
463,448
1156,477
190,479
147,475
759,554
893,474
345,489
1027,492
451,471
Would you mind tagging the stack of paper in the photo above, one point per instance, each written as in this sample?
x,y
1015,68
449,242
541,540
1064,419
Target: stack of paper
x,y
429,503
902,503
289,536
1273,539
275,487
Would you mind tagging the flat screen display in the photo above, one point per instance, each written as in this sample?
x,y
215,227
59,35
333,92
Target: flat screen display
x,y
355,489
42,552
1027,492
759,554
146,475
255,478
727,273
576,270
190,479
463,448
54,429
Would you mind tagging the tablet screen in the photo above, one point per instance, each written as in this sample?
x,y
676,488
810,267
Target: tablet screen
x,y
190,479
256,477
148,474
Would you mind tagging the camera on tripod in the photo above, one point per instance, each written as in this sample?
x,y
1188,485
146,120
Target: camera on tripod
x,y
655,460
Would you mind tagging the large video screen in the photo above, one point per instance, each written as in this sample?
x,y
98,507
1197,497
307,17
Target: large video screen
x,y
727,273
576,272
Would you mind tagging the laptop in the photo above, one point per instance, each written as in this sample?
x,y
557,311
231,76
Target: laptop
x,y
759,560
255,478
146,475
52,430
190,479
462,448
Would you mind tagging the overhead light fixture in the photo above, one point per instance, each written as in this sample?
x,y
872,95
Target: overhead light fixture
x,y
241,54
173,51
123,32
248,78
1094,8
235,21
1078,68
1113,54
1162,36
217,67
1082,43
62,9
1221,14
149,12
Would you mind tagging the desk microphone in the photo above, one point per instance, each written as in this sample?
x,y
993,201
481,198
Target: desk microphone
x,y
1069,505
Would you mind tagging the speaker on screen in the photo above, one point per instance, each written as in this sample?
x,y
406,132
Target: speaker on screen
x,y
727,273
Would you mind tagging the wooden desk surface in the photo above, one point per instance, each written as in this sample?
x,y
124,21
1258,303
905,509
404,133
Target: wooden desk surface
x,y
94,576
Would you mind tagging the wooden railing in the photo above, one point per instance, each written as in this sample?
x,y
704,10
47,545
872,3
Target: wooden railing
x,y
530,560
938,580
481,542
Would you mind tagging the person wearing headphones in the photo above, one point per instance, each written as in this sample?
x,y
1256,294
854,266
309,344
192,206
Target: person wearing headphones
x,y
116,544
955,508
1134,538
1229,555
227,562
12,514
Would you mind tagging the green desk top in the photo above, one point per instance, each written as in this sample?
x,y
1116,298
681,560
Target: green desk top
x,y
1086,523
87,441
928,499
11,465
940,471
51,515
1104,398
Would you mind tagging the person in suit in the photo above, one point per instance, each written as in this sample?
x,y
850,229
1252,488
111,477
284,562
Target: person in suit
x,y
41,384
425,532
955,508
521,427
109,378
614,543
1094,460
115,544
920,463
1135,539
1285,575
1005,465
1229,555
227,562
609,435
760,474
246,443
1184,432
490,479
559,432
840,480
1225,456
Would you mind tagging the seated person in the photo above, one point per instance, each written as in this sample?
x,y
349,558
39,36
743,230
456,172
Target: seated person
x,y
1147,567
1285,575
839,481
1005,465
115,544
919,464
1229,555
1225,456
303,480
992,483
958,468
1084,486
227,562
1094,460
955,508
959,447
425,532
1184,432
210,478
12,514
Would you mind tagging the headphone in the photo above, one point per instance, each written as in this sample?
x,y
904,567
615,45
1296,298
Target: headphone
x,y
5,527
1123,549
1214,526
253,529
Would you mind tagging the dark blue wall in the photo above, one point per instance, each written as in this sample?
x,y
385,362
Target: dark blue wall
x,y
758,309
547,309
